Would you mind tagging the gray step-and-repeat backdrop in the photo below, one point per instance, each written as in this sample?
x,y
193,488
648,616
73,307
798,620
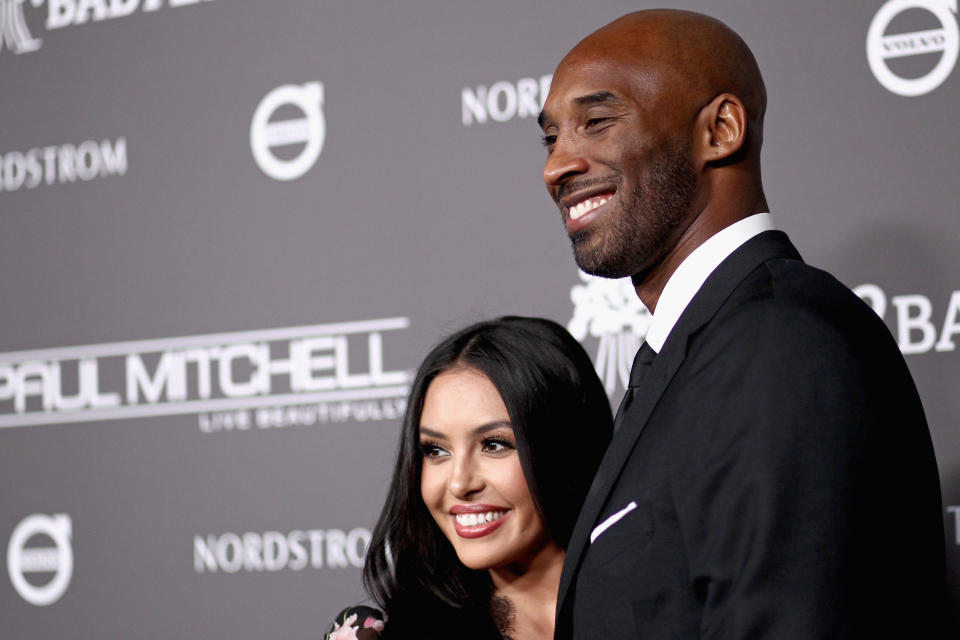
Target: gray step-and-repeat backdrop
x,y
229,230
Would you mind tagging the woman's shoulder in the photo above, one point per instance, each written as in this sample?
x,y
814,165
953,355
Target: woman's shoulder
x,y
356,623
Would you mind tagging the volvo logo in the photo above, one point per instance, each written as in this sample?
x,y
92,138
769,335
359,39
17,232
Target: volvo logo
x,y
57,559
882,47
308,130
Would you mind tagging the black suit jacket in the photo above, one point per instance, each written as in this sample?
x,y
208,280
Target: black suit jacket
x,y
774,475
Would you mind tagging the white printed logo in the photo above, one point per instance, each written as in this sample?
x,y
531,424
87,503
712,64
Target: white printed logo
x,y
310,129
277,551
13,28
913,321
503,101
68,13
61,164
289,376
57,559
611,311
881,47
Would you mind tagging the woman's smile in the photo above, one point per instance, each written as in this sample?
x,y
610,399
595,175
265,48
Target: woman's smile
x,y
472,523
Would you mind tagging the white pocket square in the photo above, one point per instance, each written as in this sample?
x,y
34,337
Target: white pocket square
x,y
612,520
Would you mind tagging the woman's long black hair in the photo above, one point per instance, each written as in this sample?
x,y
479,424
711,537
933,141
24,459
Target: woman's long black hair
x,y
562,424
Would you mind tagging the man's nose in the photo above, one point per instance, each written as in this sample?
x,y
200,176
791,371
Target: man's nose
x,y
465,479
564,162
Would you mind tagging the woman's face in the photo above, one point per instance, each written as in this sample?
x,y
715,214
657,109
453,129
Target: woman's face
x,y
472,481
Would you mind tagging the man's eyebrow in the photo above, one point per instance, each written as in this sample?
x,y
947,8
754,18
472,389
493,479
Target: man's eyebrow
x,y
542,118
598,97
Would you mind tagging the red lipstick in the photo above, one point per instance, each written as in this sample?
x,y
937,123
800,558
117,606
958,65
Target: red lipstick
x,y
477,530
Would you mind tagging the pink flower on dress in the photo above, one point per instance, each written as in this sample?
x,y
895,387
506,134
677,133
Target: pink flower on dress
x,y
347,631
371,622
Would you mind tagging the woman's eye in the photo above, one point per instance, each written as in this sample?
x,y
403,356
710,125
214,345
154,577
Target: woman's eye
x,y
548,141
496,445
430,450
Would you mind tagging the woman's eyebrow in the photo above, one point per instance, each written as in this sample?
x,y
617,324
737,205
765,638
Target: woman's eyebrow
x,y
489,426
430,433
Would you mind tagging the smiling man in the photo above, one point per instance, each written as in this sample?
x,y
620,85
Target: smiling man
x,y
772,474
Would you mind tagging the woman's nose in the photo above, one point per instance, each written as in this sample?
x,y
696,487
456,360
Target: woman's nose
x,y
465,479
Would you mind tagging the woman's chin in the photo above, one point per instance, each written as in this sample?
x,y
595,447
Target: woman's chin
x,y
479,562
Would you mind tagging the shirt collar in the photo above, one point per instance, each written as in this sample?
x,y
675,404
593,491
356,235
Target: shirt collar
x,y
695,269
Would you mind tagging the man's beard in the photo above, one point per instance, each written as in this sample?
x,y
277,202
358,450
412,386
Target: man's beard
x,y
635,235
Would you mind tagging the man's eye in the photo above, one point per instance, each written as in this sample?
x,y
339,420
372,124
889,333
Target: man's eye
x,y
548,141
593,122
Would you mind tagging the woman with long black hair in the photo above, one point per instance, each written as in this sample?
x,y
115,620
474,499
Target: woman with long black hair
x,y
504,429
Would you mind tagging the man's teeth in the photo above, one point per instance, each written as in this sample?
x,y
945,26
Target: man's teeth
x,y
578,211
473,519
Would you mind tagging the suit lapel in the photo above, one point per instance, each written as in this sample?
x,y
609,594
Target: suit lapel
x,y
654,384
703,306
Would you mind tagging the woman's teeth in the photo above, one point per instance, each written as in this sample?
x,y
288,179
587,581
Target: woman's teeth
x,y
579,210
473,519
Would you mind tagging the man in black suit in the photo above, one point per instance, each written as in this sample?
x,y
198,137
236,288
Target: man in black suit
x,y
772,475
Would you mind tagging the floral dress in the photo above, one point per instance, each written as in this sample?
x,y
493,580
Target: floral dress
x,y
366,623
356,623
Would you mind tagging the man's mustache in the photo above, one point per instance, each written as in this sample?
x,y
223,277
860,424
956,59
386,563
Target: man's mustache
x,y
574,186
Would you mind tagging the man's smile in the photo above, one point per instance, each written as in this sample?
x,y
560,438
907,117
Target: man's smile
x,y
582,207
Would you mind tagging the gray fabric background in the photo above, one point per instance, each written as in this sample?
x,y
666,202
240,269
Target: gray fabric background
x,y
407,213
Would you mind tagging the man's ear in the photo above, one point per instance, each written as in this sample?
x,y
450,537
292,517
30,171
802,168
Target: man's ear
x,y
721,129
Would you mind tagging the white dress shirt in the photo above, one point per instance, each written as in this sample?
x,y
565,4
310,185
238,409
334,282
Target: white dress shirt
x,y
695,269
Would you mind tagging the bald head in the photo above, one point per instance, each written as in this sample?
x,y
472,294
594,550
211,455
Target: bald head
x,y
681,57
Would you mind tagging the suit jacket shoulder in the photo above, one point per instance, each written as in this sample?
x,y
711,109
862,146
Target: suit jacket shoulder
x,y
757,458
